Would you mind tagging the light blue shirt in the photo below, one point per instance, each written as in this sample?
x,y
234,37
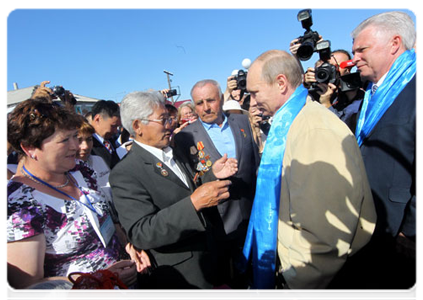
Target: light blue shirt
x,y
222,137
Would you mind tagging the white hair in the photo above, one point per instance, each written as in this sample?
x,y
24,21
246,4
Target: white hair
x,y
389,24
139,105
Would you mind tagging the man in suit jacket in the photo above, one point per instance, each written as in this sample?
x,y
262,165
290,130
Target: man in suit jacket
x,y
386,132
205,141
312,167
105,120
157,200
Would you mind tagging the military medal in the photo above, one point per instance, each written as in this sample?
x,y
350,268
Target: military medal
x,y
193,150
200,146
243,132
163,171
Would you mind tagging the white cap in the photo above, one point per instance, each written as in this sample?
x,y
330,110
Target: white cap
x,y
233,105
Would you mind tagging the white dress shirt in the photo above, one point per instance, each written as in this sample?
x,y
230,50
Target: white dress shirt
x,y
166,156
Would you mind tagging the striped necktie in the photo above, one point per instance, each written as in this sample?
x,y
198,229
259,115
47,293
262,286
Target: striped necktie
x,y
108,146
374,88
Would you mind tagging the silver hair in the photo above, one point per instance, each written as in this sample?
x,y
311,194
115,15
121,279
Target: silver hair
x,y
46,290
207,81
139,105
389,24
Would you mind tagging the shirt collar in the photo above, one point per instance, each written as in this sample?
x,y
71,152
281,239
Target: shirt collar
x,y
164,155
379,83
98,137
208,126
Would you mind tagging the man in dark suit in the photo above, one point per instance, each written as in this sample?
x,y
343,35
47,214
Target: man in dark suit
x,y
386,132
157,201
205,141
105,120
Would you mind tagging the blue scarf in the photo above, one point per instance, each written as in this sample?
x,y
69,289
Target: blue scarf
x,y
262,230
400,74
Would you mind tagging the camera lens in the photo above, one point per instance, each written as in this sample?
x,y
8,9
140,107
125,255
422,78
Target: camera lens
x,y
305,51
322,75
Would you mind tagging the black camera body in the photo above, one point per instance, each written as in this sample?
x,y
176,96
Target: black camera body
x,y
58,91
64,95
241,80
310,38
171,93
350,82
325,73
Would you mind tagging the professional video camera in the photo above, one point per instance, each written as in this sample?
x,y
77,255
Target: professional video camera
x,y
309,39
241,80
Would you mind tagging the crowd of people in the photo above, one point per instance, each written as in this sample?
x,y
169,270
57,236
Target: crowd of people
x,y
287,184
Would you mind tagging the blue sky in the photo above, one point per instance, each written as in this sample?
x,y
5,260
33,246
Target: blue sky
x,y
107,53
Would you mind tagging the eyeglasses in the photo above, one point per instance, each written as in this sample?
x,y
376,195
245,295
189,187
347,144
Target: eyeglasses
x,y
163,121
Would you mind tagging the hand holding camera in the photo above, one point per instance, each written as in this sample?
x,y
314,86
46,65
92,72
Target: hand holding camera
x,y
167,93
56,92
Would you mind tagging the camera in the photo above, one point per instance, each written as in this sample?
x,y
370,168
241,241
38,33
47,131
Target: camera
x,y
58,91
265,124
325,73
241,80
171,93
350,82
309,39
64,95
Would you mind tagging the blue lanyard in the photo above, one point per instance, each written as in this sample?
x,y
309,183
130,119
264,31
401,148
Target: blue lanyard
x,y
89,206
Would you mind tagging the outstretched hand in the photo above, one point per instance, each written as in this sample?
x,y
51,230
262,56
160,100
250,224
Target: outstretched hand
x,y
225,167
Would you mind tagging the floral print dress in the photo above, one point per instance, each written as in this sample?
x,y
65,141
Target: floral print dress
x,y
71,241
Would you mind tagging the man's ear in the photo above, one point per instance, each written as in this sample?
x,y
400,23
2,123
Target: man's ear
x,y
136,126
396,44
282,82
96,118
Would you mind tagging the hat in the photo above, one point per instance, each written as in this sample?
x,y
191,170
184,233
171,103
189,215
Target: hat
x,y
233,105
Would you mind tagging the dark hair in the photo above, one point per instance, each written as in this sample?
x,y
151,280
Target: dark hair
x,y
106,108
171,108
34,120
342,51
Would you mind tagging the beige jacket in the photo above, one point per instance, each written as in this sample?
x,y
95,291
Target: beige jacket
x,y
326,207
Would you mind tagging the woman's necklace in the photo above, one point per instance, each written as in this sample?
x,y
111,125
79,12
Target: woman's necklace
x,y
39,182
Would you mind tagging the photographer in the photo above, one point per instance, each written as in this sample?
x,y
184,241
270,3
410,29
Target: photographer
x,y
236,87
345,104
56,92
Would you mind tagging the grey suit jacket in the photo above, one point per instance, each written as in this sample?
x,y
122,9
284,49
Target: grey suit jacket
x,y
233,215
155,209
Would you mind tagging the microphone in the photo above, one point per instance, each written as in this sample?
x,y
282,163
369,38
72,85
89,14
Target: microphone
x,y
347,64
